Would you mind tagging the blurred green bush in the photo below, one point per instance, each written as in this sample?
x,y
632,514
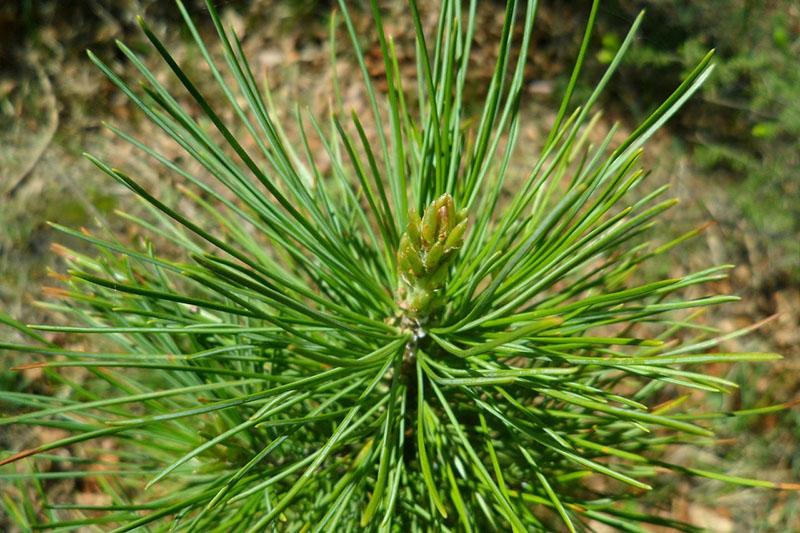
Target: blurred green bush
x,y
744,130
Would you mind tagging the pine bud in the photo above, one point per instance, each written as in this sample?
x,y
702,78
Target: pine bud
x,y
433,256
456,237
429,224
413,228
425,253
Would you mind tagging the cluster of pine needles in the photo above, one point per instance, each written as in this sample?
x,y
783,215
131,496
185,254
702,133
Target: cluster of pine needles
x,y
393,343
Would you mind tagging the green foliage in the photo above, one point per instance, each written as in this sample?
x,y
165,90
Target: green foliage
x,y
285,372
743,131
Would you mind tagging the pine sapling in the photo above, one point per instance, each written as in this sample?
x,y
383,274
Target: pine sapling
x,y
385,342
